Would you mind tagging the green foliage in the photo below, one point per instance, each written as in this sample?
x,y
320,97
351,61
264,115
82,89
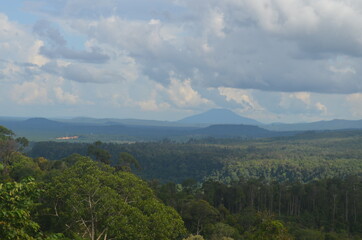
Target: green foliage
x,y
303,158
194,237
16,202
90,199
311,182
126,161
99,153
197,214
268,229
222,231
5,133
23,167
8,148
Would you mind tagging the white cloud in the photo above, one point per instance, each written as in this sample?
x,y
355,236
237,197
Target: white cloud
x,y
321,107
216,23
16,43
30,93
182,94
302,96
343,70
284,52
355,102
278,45
65,97
152,105
242,97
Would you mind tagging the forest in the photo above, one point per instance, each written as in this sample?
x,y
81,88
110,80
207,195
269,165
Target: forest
x,y
306,186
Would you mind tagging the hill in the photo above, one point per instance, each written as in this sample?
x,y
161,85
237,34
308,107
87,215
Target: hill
x,y
42,129
336,124
218,116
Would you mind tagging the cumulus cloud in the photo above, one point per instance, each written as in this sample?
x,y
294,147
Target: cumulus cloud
x,y
242,97
269,45
182,94
301,102
277,57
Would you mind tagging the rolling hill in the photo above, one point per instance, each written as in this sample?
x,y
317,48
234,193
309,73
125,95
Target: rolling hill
x,y
218,116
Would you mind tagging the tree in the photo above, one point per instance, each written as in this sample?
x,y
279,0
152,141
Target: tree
x,y
198,213
99,154
16,201
23,167
8,147
16,204
93,201
221,231
194,237
126,161
267,228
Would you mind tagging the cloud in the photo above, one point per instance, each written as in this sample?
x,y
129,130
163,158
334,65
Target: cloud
x,y
354,102
152,105
271,45
30,93
242,97
183,95
17,44
296,59
301,102
57,46
65,97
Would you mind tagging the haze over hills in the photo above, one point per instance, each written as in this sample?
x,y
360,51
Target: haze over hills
x,y
218,116
219,123
239,130
40,129
336,124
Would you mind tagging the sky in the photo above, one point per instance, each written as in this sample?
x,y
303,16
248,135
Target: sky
x,y
270,60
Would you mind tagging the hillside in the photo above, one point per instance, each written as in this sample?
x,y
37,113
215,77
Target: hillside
x,y
336,124
42,129
219,116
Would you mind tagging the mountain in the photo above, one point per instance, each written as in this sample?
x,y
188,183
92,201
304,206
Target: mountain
x,y
218,116
41,122
336,124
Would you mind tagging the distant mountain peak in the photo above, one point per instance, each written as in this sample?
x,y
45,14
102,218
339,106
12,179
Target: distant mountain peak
x,y
218,116
39,120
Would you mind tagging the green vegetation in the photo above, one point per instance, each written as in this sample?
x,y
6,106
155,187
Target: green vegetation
x,y
303,187
305,157
80,199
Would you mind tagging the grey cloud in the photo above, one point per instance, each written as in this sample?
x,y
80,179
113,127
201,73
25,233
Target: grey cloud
x,y
81,73
25,71
72,72
44,29
57,46
94,9
293,52
95,56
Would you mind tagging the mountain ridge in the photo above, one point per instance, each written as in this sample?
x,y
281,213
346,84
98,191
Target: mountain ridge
x,y
218,116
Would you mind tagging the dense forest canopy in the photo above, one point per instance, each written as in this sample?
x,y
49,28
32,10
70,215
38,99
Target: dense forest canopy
x,y
305,157
303,187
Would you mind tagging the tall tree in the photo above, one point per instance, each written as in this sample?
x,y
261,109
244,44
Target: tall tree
x,y
93,201
99,153
8,147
